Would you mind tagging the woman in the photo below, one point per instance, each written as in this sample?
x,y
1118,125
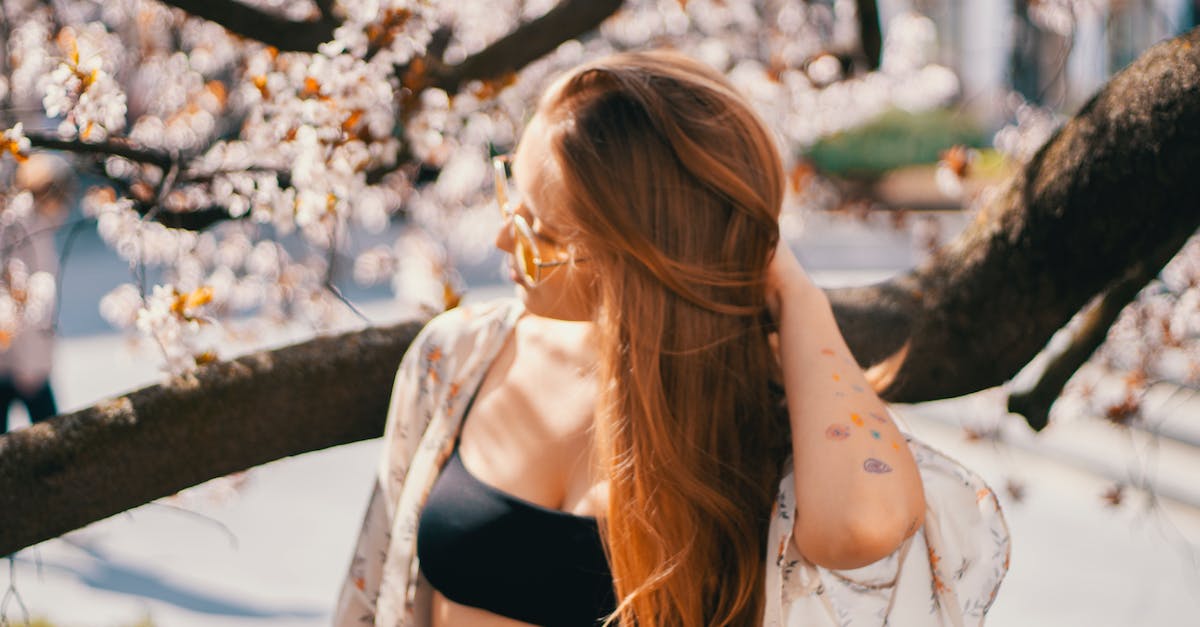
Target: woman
x,y
26,360
612,447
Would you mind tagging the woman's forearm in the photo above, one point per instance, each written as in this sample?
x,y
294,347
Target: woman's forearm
x,y
858,491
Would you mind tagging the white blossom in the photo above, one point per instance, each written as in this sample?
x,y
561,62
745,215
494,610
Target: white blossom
x,y
175,322
14,141
81,89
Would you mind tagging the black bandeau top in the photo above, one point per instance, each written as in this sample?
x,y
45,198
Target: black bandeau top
x,y
482,547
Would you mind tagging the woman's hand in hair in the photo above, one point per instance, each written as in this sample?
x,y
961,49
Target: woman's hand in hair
x,y
786,279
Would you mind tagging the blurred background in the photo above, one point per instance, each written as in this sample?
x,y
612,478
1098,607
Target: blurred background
x,y
891,154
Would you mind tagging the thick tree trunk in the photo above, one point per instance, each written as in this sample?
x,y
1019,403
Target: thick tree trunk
x,y
64,473
1115,186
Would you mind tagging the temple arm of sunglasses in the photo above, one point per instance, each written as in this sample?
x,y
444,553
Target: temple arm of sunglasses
x,y
500,180
561,262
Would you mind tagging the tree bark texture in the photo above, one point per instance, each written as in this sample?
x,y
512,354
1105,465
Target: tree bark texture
x,y
270,29
530,41
1115,186
64,473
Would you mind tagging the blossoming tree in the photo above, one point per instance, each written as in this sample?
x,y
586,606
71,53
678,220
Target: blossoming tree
x,y
227,130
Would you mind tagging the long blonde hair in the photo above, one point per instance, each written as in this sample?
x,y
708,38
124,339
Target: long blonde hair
x,y
672,189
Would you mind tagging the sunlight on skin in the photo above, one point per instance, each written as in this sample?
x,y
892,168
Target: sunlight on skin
x,y
841,432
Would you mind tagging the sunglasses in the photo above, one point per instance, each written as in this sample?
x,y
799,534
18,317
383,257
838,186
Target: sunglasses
x,y
530,261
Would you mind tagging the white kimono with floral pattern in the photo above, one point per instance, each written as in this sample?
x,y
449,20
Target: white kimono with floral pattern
x,y
946,574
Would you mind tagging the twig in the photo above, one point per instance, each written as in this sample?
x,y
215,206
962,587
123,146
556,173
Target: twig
x,y
233,539
333,289
1044,89
1034,403
870,36
529,42
116,146
270,29
11,594
331,261
10,246
284,178
62,270
164,187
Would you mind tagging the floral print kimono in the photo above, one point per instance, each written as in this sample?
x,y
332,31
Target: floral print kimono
x,y
946,574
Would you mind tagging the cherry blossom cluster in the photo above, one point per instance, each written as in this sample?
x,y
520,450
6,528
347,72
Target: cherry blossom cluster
x,y
319,137
321,150
81,89
14,142
177,324
312,127
774,51
32,54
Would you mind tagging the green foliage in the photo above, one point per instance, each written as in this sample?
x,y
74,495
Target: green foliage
x,y
894,139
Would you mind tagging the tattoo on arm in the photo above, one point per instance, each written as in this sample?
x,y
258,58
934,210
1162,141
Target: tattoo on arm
x,y
837,432
876,466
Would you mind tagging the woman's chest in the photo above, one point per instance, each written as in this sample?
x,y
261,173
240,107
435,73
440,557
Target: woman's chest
x,y
529,432
535,454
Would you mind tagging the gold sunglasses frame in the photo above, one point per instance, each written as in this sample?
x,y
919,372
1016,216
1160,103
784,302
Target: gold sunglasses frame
x,y
524,241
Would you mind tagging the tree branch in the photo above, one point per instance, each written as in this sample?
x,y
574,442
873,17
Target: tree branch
x,y
117,146
870,36
194,220
326,9
1114,187
1034,403
64,473
252,23
529,42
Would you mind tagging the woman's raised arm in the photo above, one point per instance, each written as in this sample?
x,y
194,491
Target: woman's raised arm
x,y
858,491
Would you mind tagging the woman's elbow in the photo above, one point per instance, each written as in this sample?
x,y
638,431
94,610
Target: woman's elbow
x,y
864,541
879,541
